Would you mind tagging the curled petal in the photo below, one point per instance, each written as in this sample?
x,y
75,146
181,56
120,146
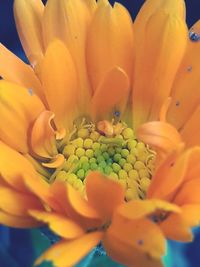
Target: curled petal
x,y
18,108
160,135
43,141
56,162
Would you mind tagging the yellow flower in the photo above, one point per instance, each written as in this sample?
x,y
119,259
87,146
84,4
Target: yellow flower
x,y
99,134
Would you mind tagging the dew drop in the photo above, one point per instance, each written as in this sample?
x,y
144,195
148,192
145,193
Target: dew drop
x,y
177,103
194,37
140,242
189,69
30,91
117,113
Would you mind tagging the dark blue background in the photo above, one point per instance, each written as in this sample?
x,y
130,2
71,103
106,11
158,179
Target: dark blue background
x,y
17,246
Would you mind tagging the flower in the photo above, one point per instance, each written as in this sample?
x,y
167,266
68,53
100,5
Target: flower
x,y
96,132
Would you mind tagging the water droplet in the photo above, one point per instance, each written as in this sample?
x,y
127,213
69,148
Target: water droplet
x,y
189,69
30,91
117,113
140,242
177,103
194,37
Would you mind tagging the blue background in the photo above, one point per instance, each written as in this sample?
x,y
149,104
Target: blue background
x,y
18,247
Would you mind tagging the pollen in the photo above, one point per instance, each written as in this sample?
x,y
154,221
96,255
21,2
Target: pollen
x,y
112,149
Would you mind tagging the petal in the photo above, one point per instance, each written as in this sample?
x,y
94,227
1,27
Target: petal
x,y
74,205
136,209
60,84
184,102
111,93
28,19
178,226
12,167
190,132
188,193
109,42
69,253
18,109
135,242
16,203
160,135
17,221
169,175
157,55
13,69
43,142
68,21
103,194
59,224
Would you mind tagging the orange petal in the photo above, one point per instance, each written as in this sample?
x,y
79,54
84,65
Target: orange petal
x,y
74,205
190,132
13,69
169,175
18,108
69,253
136,209
17,221
59,224
103,194
60,84
184,102
68,21
159,135
43,141
13,165
135,242
178,226
157,56
17,203
188,193
111,93
30,33
109,42
56,162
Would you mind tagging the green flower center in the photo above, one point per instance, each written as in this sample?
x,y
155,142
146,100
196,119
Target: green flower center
x,y
117,154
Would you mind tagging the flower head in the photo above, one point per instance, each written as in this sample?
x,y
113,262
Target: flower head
x,y
96,131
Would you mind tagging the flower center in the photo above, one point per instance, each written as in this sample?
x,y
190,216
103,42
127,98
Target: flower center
x,y
112,149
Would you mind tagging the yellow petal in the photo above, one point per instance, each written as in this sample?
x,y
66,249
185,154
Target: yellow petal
x,y
17,203
15,70
69,253
68,21
190,132
60,84
103,194
135,242
109,42
136,209
17,221
28,19
43,142
74,205
157,55
111,93
13,165
178,226
169,175
59,224
183,101
18,109
160,135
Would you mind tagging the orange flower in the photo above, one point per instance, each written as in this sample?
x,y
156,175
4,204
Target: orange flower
x,y
99,134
